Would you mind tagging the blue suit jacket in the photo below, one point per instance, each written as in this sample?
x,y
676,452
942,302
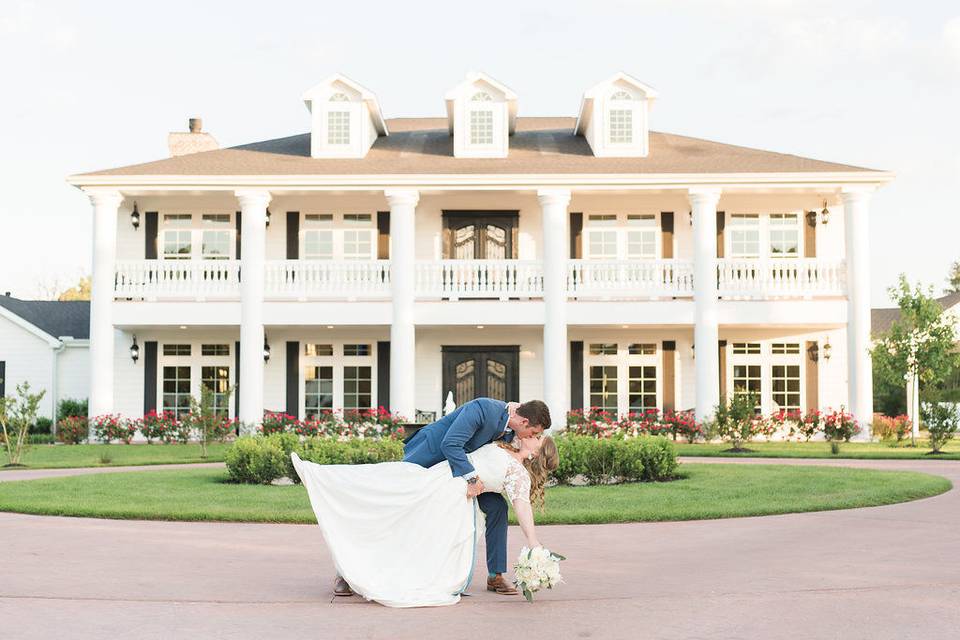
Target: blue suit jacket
x,y
462,431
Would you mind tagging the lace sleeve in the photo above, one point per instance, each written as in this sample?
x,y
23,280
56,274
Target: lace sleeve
x,y
516,483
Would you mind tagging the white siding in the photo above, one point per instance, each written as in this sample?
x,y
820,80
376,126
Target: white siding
x,y
73,373
28,359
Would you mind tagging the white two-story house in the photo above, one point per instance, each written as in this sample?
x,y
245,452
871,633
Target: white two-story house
x,y
587,261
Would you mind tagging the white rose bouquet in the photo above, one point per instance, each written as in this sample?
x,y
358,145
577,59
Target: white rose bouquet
x,y
536,569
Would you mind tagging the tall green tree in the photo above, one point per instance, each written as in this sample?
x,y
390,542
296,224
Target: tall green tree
x,y
923,334
953,278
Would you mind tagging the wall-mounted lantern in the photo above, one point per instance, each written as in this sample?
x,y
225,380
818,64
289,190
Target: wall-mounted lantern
x,y
135,216
134,350
827,349
266,349
825,213
814,351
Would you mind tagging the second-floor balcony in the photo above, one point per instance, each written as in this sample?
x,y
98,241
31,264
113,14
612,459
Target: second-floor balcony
x,y
300,280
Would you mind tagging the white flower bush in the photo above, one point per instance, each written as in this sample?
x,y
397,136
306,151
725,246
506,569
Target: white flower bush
x,y
536,569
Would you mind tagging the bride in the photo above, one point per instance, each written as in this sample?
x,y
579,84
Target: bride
x,y
404,535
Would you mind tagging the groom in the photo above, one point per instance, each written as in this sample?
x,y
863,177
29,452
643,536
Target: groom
x,y
462,431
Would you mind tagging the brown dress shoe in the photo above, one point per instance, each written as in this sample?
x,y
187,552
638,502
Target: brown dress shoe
x,y
341,588
500,585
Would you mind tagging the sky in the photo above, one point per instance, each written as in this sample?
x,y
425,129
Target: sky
x,y
98,84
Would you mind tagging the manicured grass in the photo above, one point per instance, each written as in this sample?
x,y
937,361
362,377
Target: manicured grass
x,y
854,450
49,456
704,491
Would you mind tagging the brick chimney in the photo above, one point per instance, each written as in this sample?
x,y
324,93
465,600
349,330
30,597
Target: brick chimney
x,y
193,141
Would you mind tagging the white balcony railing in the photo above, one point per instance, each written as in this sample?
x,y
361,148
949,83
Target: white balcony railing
x,y
629,278
781,278
327,279
177,279
484,279
502,279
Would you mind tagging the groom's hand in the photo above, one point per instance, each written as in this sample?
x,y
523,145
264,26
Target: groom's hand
x,y
474,489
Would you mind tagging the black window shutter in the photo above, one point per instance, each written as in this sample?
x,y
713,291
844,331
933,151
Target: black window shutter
x,y
576,374
3,379
293,378
236,380
383,376
293,235
149,377
239,216
150,224
383,235
576,236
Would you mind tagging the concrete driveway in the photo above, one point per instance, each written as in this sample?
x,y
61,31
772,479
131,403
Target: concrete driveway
x,y
884,572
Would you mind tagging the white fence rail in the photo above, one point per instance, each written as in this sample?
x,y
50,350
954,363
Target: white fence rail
x,y
484,279
502,279
781,278
177,279
327,279
629,278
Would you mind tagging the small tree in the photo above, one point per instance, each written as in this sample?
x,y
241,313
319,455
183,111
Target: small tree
x,y
16,415
921,343
736,420
953,278
942,422
205,419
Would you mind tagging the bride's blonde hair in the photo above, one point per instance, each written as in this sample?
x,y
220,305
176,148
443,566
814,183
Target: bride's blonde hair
x,y
539,468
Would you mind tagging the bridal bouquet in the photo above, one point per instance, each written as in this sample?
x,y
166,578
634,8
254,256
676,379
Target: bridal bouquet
x,y
535,569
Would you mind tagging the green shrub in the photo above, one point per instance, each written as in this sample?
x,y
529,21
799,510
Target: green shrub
x,y
69,407
942,422
42,426
287,443
255,460
600,461
358,451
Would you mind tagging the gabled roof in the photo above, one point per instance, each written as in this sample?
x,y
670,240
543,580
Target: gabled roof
x,y
479,76
422,146
368,97
586,102
882,319
54,318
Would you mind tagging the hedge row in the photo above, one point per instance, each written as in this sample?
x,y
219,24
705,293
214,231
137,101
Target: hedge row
x,y
262,459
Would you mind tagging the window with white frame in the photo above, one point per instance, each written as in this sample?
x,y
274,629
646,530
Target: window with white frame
x,y
216,239
620,118
621,236
176,389
358,236
338,125
217,380
317,390
744,236
784,235
177,236
622,376
481,126
348,236
332,383
209,236
641,237
785,389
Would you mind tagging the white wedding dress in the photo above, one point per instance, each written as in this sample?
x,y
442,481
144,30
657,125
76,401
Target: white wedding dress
x,y
404,535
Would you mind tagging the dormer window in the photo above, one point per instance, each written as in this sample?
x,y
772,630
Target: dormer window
x,y
481,116
346,119
621,118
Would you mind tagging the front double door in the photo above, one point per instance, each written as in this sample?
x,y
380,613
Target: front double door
x,y
480,235
481,371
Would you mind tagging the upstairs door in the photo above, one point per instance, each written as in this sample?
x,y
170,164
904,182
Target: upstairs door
x,y
481,371
480,235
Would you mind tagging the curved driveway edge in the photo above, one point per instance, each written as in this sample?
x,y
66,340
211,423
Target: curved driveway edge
x,y
880,572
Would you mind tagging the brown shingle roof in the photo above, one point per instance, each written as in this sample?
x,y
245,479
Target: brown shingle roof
x,y
882,319
422,145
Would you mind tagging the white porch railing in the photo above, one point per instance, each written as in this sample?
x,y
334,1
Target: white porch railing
x,y
501,279
629,278
327,279
781,278
177,279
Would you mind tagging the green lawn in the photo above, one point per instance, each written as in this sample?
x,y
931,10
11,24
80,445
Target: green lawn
x,y
50,456
861,450
704,491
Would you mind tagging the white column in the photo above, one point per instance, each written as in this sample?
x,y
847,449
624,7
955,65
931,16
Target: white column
x,y
105,209
856,206
705,330
403,206
556,360
253,205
